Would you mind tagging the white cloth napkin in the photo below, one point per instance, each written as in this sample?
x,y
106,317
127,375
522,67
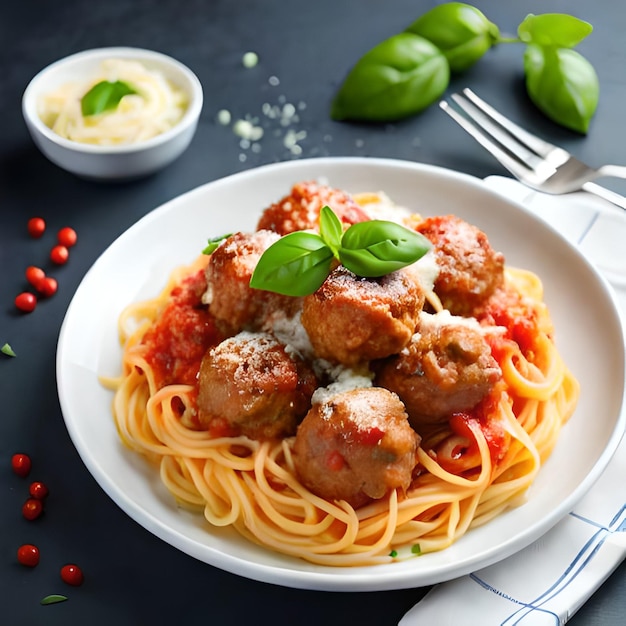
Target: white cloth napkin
x,y
547,582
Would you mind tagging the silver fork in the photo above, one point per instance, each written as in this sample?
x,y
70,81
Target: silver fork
x,y
535,162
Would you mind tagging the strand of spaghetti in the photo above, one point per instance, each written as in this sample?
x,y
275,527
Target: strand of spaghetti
x,y
291,502
485,467
270,501
266,533
193,443
525,282
225,508
384,527
221,501
137,429
179,485
547,382
329,536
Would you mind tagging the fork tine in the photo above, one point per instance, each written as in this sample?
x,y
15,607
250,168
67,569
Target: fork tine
x,y
491,126
518,169
534,143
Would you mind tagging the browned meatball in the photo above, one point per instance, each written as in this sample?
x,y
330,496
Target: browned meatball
x,y
351,320
356,446
447,368
234,304
251,385
469,268
300,210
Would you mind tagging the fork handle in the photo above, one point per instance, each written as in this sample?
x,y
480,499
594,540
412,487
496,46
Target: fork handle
x,y
605,193
616,171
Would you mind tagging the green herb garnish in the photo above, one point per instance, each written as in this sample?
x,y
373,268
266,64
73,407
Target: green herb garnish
x,y
393,554
8,350
416,549
409,71
214,243
298,263
53,599
104,96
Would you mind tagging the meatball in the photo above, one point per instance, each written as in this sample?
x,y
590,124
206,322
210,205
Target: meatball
x,y
235,305
356,446
447,368
252,385
470,270
351,320
300,210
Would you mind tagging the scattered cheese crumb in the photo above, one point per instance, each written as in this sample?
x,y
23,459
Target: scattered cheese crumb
x,y
223,117
250,59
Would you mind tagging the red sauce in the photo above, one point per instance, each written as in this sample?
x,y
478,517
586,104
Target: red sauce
x,y
181,334
465,455
368,436
508,309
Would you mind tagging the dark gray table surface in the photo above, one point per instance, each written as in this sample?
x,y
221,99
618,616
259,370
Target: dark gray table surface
x,y
133,578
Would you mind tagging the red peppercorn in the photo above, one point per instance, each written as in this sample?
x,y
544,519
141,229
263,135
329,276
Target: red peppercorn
x,y
59,255
32,508
47,286
38,490
34,275
72,575
36,227
26,302
21,464
67,237
28,555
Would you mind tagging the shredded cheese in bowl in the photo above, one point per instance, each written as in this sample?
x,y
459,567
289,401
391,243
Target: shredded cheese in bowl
x,y
157,106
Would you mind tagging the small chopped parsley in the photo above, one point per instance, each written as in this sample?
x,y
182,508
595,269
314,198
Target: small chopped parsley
x,y
416,549
215,243
54,598
393,554
8,350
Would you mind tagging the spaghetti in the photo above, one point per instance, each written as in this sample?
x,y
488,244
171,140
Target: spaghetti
x,y
471,469
155,106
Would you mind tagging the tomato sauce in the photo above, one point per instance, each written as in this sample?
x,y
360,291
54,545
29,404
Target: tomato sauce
x,y
508,309
181,334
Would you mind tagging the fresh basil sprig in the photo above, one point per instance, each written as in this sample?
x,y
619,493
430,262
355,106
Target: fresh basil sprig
x,y
559,81
408,72
459,30
298,263
399,77
104,96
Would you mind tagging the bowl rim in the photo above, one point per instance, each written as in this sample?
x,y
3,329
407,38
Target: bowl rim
x,y
190,117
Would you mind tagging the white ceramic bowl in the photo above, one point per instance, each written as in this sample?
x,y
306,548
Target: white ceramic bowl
x,y
112,162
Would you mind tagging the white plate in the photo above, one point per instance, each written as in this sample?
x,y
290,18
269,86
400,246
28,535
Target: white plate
x,y
135,266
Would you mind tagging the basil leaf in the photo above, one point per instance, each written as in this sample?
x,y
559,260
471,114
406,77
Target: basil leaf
x,y
459,30
53,599
214,243
562,84
399,77
295,265
8,350
375,248
104,96
331,229
553,29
